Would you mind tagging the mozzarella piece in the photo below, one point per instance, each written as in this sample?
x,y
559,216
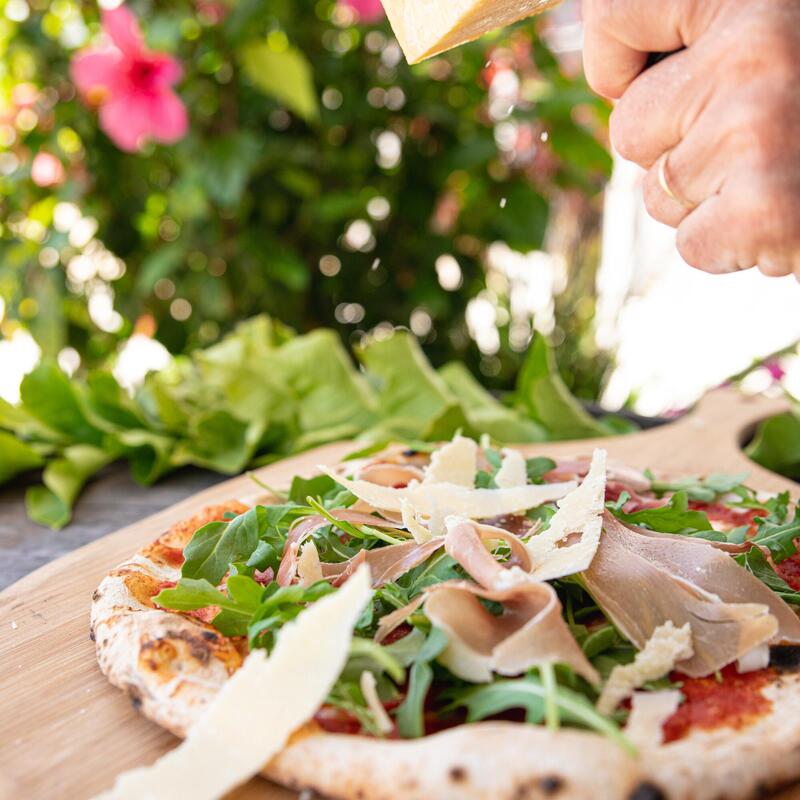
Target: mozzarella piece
x,y
456,463
440,499
752,660
649,712
308,565
663,650
427,27
581,511
267,699
513,471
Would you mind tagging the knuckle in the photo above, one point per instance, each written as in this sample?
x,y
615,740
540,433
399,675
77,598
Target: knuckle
x,y
690,246
600,12
622,133
774,267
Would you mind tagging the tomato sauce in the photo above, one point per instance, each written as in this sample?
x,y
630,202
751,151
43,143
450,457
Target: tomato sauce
x,y
789,570
734,702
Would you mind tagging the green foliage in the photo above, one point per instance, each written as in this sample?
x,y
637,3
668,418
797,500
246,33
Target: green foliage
x,y
673,517
289,106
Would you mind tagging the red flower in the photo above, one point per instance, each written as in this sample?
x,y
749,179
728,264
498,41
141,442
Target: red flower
x,y
368,10
131,85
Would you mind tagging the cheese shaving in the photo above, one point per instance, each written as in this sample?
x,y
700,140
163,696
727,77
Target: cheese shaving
x,y
309,568
251,718
663,650
580,511
649,712
513,471
427,27
456,463
369,689
420,533
436,499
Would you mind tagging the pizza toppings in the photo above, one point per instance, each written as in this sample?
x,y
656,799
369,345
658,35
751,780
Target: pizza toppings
x,y
450,498
666,647
649,712
579,513
455,463
251,718
639,595
528,632
485,579
727,699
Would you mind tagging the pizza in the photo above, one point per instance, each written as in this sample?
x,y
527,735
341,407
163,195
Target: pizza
x,y
459,621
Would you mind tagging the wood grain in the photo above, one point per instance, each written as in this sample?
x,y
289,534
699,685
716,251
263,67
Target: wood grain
x,y
65,732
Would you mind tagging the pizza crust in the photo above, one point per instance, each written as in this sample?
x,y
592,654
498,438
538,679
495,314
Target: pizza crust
x,y
172,665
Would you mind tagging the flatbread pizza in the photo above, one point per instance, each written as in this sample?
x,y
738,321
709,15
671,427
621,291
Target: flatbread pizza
x,y
458,621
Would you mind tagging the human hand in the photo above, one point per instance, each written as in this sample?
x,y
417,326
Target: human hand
x,y
716,125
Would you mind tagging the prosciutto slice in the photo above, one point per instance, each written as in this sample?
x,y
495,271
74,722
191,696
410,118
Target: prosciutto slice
x,y
529,632
641,582
387,564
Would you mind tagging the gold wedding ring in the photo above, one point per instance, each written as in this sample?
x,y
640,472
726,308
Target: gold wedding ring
x,y
663,182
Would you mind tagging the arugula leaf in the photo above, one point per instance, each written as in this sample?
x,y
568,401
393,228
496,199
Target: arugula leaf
x,y
16,456
529,694
704,490
755,562
776,444
410,713
674,517
216,545
780,539
280,605
537,467
543,395
317,486
63,480
237,606
48,395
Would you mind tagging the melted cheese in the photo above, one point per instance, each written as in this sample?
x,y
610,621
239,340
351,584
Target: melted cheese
x,y
512,472
649,712
251,718
427,27
440,499
664,649
581,511
456,463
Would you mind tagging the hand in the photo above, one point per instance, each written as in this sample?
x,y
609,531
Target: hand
x,y
717,125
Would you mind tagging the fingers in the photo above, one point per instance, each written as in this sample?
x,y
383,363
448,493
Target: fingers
x,y
747,224
619,35
659,108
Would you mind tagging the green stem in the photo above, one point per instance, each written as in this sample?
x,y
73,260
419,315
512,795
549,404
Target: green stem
x,y
551,715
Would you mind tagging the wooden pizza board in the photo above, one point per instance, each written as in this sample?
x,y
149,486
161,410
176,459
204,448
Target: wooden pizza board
x,y
65,732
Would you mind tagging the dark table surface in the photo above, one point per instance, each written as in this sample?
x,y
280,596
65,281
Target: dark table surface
x,y
109,503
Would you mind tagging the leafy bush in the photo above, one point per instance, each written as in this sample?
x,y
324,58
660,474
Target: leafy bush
x,y
320,180
257,395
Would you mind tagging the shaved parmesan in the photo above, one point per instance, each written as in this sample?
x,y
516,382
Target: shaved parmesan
x,y
308,565
447,498
512,472
666,647
420,533
649,712
581,511
427,27
455,462
369,689
267,699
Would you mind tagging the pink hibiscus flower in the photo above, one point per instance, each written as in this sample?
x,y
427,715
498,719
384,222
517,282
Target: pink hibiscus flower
x,y
368,10
131,85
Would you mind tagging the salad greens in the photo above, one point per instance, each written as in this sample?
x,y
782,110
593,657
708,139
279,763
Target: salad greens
x,y
224,565
259,394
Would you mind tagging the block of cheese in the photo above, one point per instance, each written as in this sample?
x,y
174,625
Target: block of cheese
x,y
426,28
